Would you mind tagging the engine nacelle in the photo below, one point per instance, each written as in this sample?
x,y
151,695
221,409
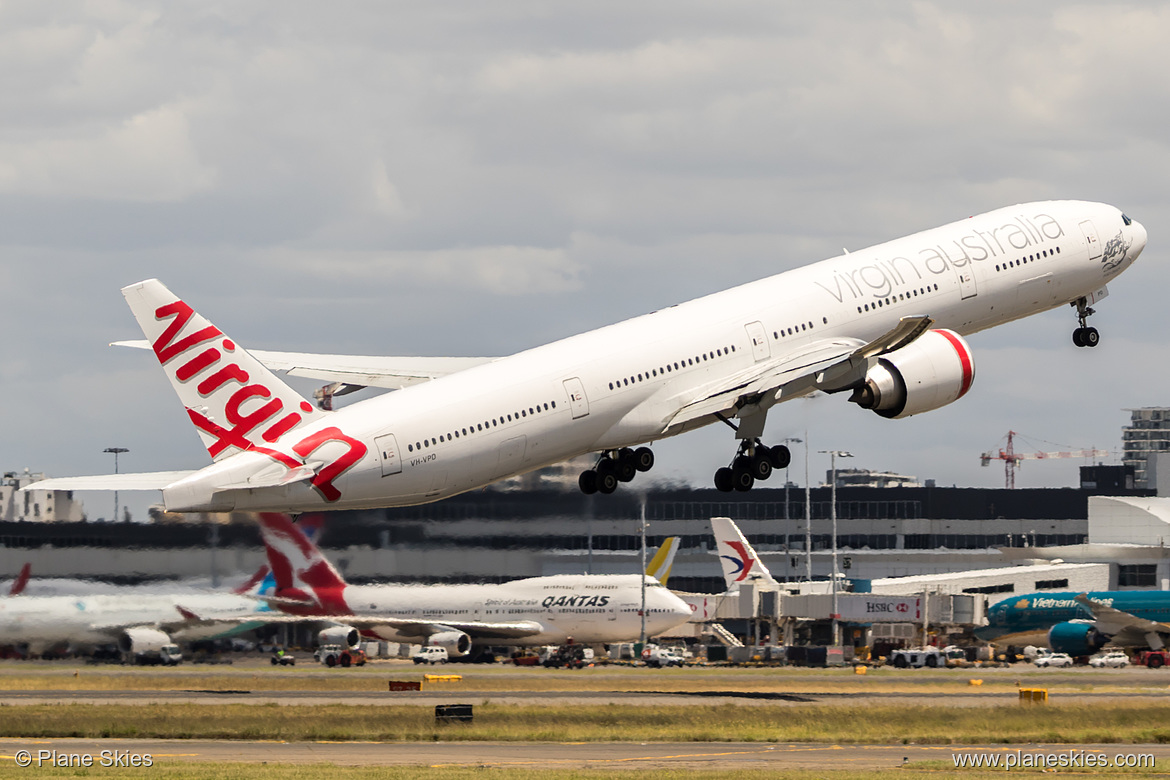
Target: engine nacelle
x,y
458,644
932,371
1075,638
346,636
141,641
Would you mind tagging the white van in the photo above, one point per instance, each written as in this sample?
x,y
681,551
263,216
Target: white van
x,y
428,654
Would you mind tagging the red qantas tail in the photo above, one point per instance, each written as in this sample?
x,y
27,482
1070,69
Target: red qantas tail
x,y
298,567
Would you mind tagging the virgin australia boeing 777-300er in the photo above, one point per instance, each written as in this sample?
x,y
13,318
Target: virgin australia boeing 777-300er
x,y
885,324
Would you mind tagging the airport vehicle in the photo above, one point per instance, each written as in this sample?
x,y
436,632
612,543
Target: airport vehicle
x,y
431,655
929,657
1081,624
340,655
281,658
884,325
150,653
568,657
535,611
1113,660
1153,659
657,657
1053,660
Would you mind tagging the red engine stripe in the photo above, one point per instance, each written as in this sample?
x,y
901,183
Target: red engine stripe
x,y
964,358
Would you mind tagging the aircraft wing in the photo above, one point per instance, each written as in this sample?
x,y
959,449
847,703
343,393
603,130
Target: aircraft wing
x,y
830,365
1124,629
408,626
392,373
154,480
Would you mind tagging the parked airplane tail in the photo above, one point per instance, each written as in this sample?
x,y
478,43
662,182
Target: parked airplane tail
x,y
659,566
738,558
263,582
233,400
21,581
301,573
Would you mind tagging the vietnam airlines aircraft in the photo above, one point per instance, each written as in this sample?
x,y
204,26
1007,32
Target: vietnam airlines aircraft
x,y
587,608
1082,624
883,324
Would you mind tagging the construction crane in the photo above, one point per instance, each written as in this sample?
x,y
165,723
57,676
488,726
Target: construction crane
x,y
1012,459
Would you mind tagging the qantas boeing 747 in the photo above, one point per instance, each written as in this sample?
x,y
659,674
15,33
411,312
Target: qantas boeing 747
x,y
883,325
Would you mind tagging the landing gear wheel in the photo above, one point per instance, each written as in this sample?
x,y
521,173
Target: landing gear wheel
x,y
643,459
741,474
781,456
588,482
1084,336
625,468
607,482
761,464
724,480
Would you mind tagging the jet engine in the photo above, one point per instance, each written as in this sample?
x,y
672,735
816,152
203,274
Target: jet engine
x,y
1075,638
141,641
346,636
932,371
458,644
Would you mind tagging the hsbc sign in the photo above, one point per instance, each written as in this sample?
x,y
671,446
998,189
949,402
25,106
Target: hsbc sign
x,y
864,608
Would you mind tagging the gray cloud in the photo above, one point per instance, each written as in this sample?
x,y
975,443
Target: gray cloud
x,y
303,174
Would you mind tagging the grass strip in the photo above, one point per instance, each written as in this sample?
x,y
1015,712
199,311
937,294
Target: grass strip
x,y
1121,723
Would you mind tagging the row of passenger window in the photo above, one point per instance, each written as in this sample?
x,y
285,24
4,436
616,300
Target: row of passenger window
x,y
480,427
795,329
671,368
1027,259
892,299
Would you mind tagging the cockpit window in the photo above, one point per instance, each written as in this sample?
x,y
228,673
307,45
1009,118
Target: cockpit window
x,y
1126,219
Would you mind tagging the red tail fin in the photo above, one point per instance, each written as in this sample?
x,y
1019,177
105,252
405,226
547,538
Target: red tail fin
x,y
253,581
299,568
18,585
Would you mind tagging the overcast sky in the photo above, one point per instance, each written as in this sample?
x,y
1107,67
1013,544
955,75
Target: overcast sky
x,y
477,178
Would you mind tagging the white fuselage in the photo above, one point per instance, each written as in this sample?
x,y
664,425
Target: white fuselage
x,y
621,385
101,619
586,608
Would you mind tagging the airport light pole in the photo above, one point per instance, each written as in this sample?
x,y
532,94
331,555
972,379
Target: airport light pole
x,y
642,611
807,518
833,455
116,452
786,441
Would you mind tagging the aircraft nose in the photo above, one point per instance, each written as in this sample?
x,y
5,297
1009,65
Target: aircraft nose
x,y
1138,235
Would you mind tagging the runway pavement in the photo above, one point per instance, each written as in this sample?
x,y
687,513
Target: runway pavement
x,y
592,755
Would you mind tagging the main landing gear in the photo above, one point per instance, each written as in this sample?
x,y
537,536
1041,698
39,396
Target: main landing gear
x,y
1084,336
753,462
613,467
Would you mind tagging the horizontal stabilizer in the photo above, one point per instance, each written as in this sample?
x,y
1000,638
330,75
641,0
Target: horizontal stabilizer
x,y
153,480
391,373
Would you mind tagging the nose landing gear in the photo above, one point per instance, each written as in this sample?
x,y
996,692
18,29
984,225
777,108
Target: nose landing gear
x,y
1084,336
615,466
753,462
